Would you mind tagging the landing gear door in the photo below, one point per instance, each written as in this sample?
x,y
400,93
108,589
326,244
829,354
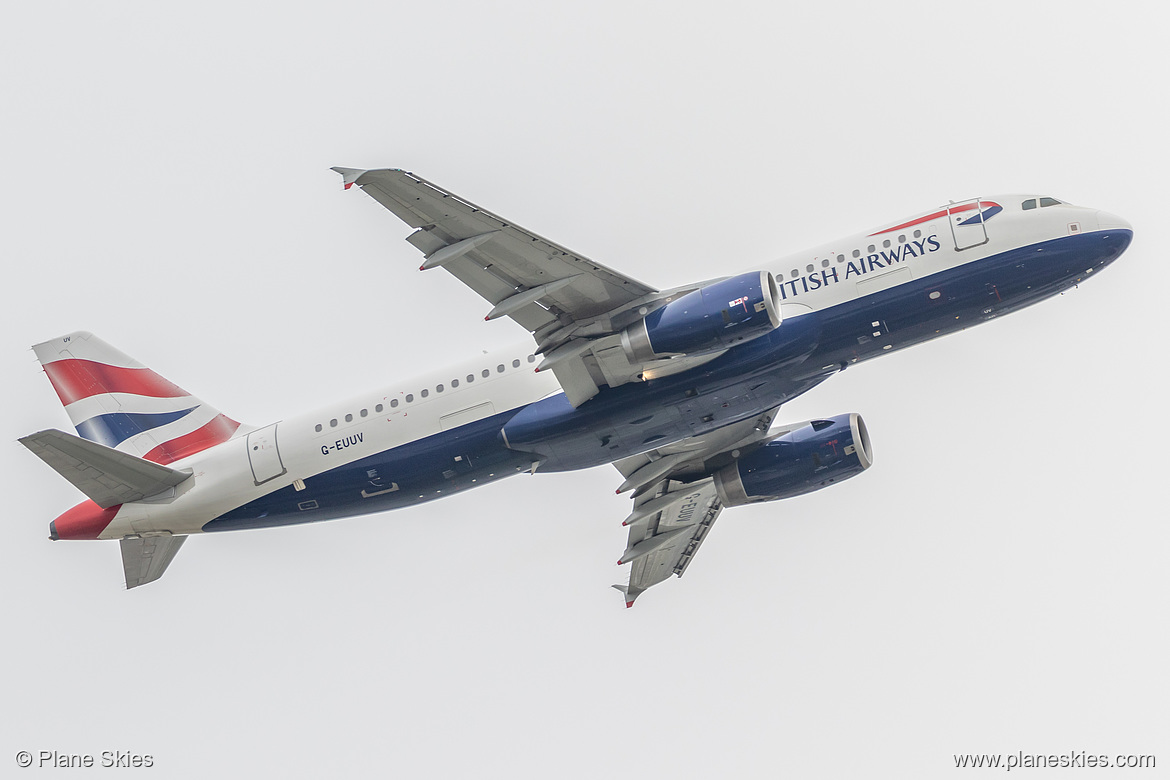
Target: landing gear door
x,y
264,455
968,220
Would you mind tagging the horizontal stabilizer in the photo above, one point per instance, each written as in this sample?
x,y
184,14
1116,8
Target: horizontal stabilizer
x,y
107,476
144,560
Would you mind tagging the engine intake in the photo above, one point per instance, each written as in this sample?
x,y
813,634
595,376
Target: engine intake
x,y
711,318
809,458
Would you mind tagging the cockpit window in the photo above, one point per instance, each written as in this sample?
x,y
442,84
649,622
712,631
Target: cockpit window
x,y
1029,204
1049,202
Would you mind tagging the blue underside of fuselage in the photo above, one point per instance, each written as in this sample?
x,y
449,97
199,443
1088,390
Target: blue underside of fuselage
x,y
740,384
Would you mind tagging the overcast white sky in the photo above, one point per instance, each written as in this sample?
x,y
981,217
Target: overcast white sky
x,y
997,581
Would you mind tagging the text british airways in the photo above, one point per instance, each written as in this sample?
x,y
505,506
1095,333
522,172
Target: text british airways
x,y
859,267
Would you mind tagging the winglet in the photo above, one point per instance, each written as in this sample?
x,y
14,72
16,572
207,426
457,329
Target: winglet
x,y
348,175
630,598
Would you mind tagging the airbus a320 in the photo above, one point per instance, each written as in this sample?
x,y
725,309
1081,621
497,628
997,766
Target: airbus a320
x,y
679,388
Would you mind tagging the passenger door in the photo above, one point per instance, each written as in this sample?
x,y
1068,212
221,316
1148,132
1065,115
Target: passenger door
x,y
264,455
968,223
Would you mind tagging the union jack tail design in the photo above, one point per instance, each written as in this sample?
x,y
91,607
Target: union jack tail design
x,y
114,400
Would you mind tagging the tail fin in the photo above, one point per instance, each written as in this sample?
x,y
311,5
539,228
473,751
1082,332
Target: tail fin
x,y
114,400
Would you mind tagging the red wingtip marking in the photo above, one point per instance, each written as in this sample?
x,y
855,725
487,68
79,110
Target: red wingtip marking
x,y
348,185
487,319
629,604
621,563
422,268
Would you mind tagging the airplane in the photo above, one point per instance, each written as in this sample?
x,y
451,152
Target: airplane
x,y
678,388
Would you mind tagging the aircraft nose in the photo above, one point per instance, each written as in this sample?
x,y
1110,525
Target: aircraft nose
x,y
1107,221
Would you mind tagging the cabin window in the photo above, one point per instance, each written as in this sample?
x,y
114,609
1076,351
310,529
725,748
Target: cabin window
x,y
333,423
918,234
470,378
901,239
1049,202
318,428
825,263
840,258
424,393
886,244
379,407
871,248
795,273
515,364
808,269
532,358
409,397
364,413
393,403
349,418
485,373
438,388
1028,204
500,368
857,253
454,383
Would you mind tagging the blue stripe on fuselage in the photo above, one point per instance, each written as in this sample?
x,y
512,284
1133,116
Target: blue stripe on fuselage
x,y
414,473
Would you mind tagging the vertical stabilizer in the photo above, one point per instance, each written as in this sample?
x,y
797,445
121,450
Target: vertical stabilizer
x,y
114,400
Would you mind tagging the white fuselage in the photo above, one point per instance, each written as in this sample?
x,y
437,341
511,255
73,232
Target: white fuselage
x,y
340,433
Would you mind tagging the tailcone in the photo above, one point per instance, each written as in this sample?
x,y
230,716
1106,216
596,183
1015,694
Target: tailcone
x,y
87,520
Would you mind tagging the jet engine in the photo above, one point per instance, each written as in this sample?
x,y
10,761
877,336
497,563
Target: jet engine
x,y
809,458
709,319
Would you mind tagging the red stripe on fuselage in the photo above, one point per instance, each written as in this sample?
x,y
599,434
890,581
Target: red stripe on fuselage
x,y
215,432
74,379
935,215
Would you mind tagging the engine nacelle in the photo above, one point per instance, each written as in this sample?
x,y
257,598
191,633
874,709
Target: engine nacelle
x,y
809,458
711,318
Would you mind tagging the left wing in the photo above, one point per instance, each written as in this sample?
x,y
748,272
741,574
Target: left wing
x,y
574,307
676,502
665,537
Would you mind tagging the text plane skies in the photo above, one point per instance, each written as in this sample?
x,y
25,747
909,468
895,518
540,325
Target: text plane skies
x,y
678,388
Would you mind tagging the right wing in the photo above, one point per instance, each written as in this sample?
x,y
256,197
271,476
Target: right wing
x,y
574,307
